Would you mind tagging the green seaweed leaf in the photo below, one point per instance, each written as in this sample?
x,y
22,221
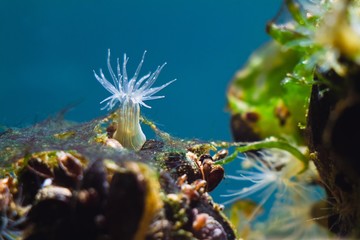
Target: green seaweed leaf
x,y
279,144
228,159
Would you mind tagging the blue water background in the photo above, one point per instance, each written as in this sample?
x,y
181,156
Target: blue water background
x,y
48,50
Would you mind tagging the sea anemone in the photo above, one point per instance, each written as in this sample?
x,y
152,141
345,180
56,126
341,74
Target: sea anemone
x,y
295,221
268,172
130,93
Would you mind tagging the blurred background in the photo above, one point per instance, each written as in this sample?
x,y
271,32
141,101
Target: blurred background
x,y
49,49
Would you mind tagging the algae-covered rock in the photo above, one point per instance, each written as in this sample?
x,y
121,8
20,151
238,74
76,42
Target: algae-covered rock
x,y
63,180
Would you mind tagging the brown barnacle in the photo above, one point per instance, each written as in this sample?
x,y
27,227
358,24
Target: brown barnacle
x,y
51,217
214,176
133,201
70,164
211,173
204,169
95,179
221,154
31,178
39,168
65,213
69,171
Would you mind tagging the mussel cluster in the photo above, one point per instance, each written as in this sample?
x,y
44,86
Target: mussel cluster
x,y
65,195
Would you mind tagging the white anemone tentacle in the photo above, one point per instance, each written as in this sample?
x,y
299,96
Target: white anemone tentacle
x,y
130,94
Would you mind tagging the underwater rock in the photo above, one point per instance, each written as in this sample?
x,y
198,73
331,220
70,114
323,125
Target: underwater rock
x,y
76,186
332,129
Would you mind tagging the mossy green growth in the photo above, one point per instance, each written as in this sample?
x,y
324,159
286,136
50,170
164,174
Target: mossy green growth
x,y
269,96
259,89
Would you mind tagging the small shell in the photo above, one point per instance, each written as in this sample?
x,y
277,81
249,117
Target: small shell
x,y
113,143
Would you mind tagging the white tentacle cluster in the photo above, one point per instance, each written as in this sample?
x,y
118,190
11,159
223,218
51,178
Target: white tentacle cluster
x,y
130,93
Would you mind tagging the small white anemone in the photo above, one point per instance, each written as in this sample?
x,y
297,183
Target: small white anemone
x,y
269,172
130,93
295,221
